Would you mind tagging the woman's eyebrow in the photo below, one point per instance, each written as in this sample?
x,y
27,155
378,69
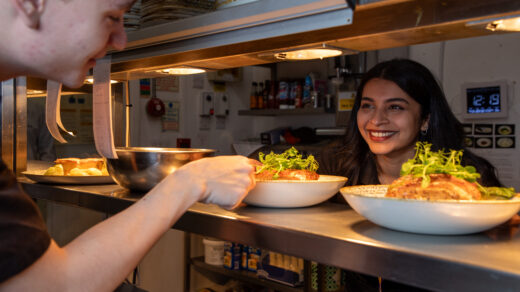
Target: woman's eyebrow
x,y
397,99
367,98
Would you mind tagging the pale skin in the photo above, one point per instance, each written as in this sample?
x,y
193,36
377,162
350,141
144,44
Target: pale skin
x,y
389,120
61,39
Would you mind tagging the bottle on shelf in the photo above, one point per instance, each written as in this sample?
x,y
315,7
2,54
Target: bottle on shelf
x,y
315,99
265,93
271,99
306,94
260,96
253,96
283,95
297,91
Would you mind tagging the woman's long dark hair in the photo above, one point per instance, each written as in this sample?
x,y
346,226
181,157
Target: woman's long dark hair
x,y
358,163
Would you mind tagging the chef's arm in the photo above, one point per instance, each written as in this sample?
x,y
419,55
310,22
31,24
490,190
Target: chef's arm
x,y
101,258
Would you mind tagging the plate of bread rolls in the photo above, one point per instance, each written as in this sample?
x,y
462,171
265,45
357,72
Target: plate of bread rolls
x,y
73,171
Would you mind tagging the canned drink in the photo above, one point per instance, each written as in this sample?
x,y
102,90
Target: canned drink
x,y
295,95
232,255
283,94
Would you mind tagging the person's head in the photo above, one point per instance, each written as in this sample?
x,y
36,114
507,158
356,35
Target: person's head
x,y
427,108
399,102
60,39
388,119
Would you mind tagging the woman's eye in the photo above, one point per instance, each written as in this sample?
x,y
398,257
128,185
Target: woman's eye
x,y
396,107
366,106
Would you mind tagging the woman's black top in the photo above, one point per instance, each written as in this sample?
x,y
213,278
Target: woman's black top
x,y
23,235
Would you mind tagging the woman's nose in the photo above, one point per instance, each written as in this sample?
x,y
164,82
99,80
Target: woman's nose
x,y
378,117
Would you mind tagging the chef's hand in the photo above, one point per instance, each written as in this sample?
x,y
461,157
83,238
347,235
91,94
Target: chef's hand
x,y
224,180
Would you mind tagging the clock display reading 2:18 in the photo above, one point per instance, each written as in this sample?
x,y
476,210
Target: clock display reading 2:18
x,y
483,100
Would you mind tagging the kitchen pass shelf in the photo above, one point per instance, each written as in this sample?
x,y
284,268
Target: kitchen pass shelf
x,y
284,112
221,275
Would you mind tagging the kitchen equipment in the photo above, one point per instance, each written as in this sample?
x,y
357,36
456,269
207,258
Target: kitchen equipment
x,y
39,176
141,168
294,193
446,217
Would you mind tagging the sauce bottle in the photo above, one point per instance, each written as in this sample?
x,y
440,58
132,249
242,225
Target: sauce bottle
x,y
260,96
253,99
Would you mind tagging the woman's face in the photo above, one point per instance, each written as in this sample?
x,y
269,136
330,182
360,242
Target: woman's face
x,y
388,118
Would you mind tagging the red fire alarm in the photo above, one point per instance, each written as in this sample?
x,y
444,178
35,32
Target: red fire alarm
x,y
155,107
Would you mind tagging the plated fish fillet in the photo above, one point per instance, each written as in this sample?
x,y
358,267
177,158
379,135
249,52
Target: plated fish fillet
x,y
441,187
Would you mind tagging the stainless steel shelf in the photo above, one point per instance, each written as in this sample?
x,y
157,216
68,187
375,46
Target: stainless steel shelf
x,y
223,274
335,235
284,112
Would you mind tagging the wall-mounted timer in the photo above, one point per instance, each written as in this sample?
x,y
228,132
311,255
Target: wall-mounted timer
x,y
484,100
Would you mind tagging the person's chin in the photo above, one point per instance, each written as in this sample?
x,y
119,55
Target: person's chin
x,y
74,81
380,149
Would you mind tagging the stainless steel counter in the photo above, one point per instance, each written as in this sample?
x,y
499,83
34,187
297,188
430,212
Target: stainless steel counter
x,y
336,235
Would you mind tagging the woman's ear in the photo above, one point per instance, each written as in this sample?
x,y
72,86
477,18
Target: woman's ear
x,y
424,125
30,11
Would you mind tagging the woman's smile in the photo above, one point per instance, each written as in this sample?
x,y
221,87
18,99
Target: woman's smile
x,y
379,136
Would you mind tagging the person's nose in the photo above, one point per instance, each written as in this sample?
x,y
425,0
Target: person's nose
x,y
118,38
378,117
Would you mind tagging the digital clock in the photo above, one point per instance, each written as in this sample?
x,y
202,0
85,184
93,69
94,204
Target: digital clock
x,y
485,100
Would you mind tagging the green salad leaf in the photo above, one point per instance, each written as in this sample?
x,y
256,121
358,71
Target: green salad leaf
x,y
426,162
289,159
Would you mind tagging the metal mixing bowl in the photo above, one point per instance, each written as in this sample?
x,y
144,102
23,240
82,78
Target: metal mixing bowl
x,y
141,168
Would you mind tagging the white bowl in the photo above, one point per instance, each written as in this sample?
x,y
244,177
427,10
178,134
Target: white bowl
x,y
294,193
446,217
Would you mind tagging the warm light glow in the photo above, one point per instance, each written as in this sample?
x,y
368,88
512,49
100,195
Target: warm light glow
x,y
35,91
91,81
181,71
510,24
308,54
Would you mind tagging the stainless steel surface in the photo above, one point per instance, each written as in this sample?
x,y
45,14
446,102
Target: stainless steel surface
x,y
14,124
331,131
237,36
253,21
335,235
21,124
252,16
8,122
37,87
141,168
127,113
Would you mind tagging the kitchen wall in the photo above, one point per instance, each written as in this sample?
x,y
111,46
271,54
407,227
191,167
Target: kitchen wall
x,y
219,133
481,59
454,62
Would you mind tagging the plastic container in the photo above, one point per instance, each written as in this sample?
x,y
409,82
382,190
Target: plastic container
x,y
213,251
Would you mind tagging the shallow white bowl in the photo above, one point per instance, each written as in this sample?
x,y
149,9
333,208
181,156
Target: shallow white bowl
x,y
294,193
447,217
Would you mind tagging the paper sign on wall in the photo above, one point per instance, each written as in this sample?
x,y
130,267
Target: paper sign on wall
x,y
346,100
170,119
144,88
169,83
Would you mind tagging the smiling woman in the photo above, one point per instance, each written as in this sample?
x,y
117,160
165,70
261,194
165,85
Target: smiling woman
x,y
398,103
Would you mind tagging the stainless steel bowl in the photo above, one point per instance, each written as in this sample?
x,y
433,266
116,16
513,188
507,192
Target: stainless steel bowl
x,y
141,168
